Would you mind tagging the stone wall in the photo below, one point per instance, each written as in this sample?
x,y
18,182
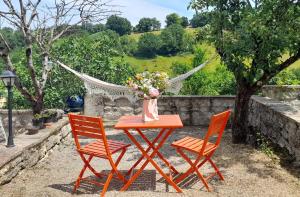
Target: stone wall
x,y
278,121
193,110
282,93
20,119
30,149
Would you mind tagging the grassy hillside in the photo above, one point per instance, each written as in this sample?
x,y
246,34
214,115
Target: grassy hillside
x,y
159,63
164,63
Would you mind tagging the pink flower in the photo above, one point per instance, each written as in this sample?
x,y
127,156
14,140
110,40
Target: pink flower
x,y
153,92
135,87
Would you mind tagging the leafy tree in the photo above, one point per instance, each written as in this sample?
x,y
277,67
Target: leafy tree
x,y
148,45
173,19
97,56
172,39
13,37
148,24
156,24
184,22
92,29
199,20
41,26
119,24
256,40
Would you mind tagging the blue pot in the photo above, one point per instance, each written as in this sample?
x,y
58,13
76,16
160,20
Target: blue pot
x,y
75,101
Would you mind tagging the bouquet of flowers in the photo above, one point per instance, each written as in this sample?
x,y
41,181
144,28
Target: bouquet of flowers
x,y
149,85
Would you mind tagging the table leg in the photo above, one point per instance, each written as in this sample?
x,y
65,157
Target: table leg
x,y
151,145
148,149
149,159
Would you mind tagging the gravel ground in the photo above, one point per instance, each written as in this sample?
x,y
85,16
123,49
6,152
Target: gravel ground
x,y
247,172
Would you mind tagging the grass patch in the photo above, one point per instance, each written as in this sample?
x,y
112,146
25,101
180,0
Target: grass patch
x,y
159,63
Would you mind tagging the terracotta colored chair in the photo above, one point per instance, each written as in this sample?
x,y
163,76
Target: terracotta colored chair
x,y
92,127
202,148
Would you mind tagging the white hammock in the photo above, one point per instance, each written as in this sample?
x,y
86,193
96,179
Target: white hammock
x,y
114,91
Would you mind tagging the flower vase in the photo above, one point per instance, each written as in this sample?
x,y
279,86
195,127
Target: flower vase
x,y
150,111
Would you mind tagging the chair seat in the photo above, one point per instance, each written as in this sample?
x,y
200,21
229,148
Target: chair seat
x,y
97,148
194,145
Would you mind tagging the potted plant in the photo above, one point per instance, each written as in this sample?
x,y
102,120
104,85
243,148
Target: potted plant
x,y
38,121
149,86
50,116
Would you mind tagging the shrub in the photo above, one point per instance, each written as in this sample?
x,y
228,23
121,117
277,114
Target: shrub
x,y
129,45
148,45
287,77
219,82
199,57
179,68
188,42
172,39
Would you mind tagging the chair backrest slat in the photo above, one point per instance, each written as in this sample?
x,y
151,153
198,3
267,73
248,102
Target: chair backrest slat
x,y
89,135
85,123
216,127
84,128
87,126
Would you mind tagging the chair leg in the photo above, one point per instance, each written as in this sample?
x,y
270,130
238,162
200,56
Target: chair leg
x,y
89,166
121,177
216,169
195,168
113,171
109,178
77,183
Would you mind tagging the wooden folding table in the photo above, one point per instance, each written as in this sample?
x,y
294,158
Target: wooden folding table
x,y
167,124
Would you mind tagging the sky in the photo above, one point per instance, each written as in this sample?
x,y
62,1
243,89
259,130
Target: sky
x,y
133,10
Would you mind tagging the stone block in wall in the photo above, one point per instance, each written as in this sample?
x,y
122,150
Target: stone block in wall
x,y
224,103
201,118
185,118
126,110
94,105
20,119
201,104
123,102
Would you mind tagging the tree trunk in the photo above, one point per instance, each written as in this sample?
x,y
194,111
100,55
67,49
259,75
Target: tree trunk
x,y
38,105
240,120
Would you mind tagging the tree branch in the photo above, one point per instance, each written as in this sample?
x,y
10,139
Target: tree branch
x,y
270,74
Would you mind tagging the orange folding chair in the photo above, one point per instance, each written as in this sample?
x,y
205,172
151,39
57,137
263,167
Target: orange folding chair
x,y
203,148
92,127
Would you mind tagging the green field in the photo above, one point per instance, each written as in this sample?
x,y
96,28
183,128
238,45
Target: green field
x,y
159,63
164,63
